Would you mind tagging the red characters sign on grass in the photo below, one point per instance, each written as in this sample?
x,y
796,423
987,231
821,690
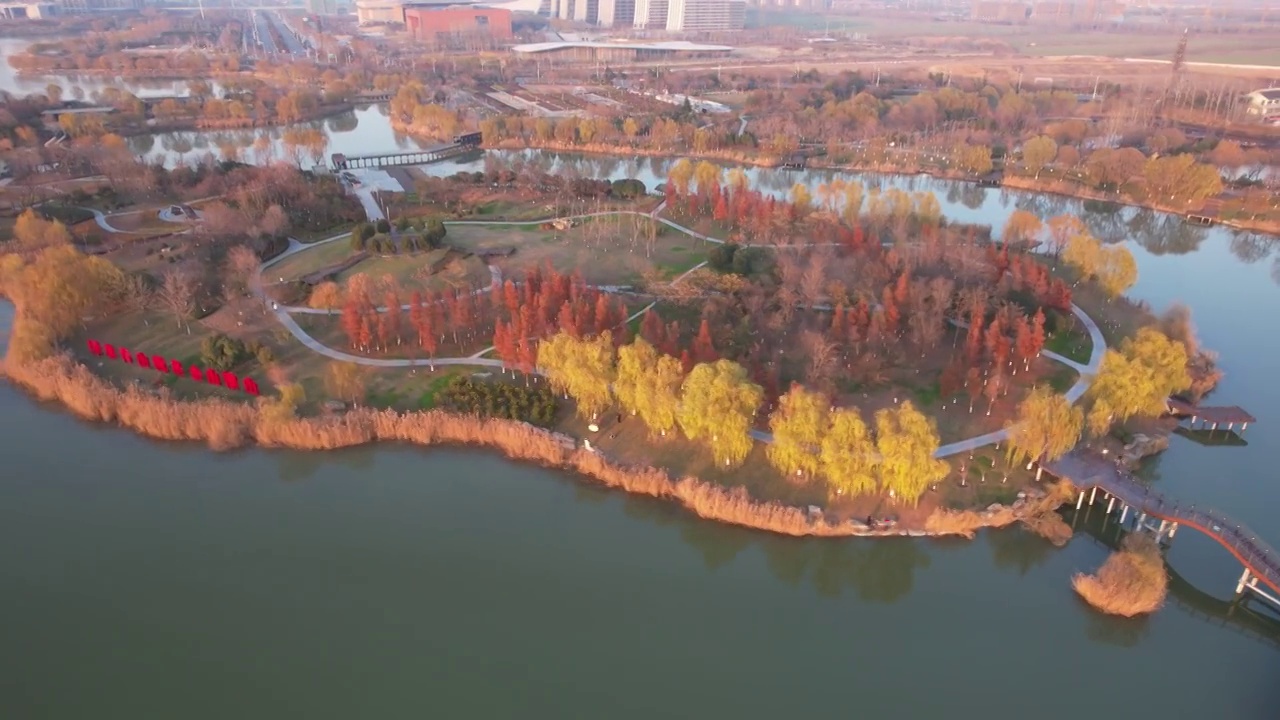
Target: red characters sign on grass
x,y
210,376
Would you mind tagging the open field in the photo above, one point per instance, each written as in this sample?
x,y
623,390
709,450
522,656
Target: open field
x,y
436,270
1259,46
607,251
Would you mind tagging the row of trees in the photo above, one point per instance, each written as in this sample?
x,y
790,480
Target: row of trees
x,y
715,403
535,405
410,235
813,439
1111,266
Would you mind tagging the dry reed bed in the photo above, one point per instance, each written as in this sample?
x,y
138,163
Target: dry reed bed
x,y
1131,582
225,425
1038,516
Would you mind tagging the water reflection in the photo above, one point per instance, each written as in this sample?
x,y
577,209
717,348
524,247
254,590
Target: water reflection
x,y
1018,550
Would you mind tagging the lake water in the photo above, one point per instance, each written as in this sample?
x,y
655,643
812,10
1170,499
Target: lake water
x,y
146,579
76,87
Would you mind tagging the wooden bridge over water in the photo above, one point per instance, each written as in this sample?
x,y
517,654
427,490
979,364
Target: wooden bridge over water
x,y
1233,614
1091,472
407,157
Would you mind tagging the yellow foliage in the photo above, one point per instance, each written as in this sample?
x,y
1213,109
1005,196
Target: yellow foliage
x,y
717,405
798,425
1045,428
907,441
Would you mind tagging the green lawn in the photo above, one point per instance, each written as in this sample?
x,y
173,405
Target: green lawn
x,y
607,251
304,263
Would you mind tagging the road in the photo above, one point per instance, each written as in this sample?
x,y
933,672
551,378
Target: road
x,y
262,32
286,35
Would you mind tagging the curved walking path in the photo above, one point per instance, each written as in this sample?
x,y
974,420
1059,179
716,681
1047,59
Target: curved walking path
x,y
284,315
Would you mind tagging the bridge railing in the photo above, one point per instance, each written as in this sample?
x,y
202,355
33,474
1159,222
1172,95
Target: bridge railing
x,y
1255,551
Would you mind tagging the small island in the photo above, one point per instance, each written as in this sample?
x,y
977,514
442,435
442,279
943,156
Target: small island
x,y
846,364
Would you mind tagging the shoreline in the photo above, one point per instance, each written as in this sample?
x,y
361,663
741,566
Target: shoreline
x,y
223,425
1030,186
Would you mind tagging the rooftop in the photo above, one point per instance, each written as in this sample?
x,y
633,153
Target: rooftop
x,y
670,46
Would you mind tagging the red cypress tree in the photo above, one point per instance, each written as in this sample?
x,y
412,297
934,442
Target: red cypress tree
x,y
891,314
351,316
394,329
838,322
365,339
416,313
568,321
1023,344
511,299
995,333
672,339
603,319
427,329
1037,332
902,289
686,361
704,350
652,329
527,354
973,341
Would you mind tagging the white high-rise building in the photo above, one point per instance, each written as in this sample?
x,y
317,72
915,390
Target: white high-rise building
x,y
705,15
616,13
651,14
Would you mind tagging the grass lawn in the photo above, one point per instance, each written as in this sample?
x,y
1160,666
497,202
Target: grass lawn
x,y
1072,343
414,389
607,251
436,270
312,236
304,263
155,334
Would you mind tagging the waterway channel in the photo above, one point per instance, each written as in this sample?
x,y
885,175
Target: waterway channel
x,y
145,579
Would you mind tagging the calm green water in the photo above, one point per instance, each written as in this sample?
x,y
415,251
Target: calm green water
x,y
143,580
153,580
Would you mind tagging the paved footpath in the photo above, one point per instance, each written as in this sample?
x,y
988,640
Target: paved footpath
x,y
284,315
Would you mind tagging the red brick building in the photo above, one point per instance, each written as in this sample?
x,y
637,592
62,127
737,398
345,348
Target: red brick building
x,y
442,25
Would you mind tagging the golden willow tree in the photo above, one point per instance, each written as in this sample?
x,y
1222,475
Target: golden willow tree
x,y
907,441
717,404
648,385
1113,267
1046,427
849,458
54,292
1137,379
581,368
798,425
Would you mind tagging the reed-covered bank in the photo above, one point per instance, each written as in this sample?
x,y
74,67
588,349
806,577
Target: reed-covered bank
x,y
1131,582
225,425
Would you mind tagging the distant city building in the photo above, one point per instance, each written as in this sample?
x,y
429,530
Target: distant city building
x,y
442,25
379,12
1264,104
322,7
651,14
604,51
616,13
28,11
705,15
99,6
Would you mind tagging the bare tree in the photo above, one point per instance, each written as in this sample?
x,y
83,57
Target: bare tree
x,y
239,267
177,292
